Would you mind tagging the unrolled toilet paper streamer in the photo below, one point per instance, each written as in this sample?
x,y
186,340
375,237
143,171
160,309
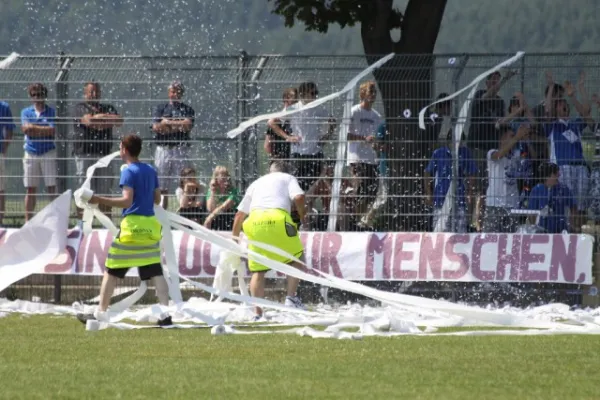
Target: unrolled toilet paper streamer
x,y
391,299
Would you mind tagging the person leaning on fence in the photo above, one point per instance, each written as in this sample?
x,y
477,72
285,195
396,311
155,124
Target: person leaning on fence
x,y
221,200
7,128
191,196
554,201
362,156
436,190
93,137
39,161
279,133
312,127
137,244
566,149
264,215
503,171
172,125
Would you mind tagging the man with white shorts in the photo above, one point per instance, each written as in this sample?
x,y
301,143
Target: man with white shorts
x,y
37,124
6,131
172,124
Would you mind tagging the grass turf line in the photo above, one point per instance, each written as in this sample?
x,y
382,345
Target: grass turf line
x,y
43,357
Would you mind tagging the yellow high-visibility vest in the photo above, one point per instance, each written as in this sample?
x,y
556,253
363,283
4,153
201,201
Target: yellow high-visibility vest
x,y
137,244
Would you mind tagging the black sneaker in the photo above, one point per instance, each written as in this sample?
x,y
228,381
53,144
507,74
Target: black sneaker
x,y
165,321
84,318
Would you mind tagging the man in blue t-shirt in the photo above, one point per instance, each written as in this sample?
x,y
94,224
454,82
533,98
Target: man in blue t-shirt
x,y
555,202
566,149
6,131
37,124
440,169
138,243
172,125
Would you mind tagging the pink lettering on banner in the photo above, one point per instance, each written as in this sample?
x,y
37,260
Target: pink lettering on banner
x,y
206,262
315,256
564,259
504,258
431,256
376,245
330,247
72,253
478,243
460,258
402,255
196,269
527,257
96,253
186,268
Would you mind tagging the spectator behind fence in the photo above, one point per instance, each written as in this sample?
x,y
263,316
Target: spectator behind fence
x,y
7,127
172,124
540,112
221,200
362,156
279,133
486,110
322,189
191,196
381,146
531,150
37,124
93,138
555,202
310,127
566,149
440,123
440,167
503,193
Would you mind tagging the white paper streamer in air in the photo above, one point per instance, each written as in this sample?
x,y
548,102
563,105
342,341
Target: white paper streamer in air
x,y
265,117
9,60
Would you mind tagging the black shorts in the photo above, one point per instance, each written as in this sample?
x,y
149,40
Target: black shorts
x,y
368,175
307,169
146,272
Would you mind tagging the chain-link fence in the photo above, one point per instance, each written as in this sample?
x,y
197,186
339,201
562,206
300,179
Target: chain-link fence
x,y
224,91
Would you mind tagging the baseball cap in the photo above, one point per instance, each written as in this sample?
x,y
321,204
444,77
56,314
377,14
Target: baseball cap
x,y
177,85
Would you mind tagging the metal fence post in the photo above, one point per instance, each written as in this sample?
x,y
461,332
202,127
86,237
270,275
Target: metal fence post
x,y
241,116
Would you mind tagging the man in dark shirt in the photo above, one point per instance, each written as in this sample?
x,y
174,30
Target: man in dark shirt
x,y
276,146
172,123
93,137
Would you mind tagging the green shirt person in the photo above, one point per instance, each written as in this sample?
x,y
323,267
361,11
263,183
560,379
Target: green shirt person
x,y
221,200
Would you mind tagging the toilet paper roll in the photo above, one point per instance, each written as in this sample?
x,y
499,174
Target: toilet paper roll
x,y
86,194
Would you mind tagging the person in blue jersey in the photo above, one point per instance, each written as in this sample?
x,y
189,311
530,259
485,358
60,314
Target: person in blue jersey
x,y
137,245
7,128
438,177
566,150
555,202
39,161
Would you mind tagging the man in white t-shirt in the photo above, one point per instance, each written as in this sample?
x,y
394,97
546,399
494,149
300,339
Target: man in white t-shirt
x,y
503,192
362,157
311,127
267,204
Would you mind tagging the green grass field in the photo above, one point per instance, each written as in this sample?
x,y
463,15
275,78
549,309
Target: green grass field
x,y
45,357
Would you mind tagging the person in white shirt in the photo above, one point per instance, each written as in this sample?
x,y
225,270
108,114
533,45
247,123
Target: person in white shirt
x,y
503,172
311,127
264,214
362,157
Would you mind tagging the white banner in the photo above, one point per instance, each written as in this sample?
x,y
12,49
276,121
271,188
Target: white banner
x,y
394,256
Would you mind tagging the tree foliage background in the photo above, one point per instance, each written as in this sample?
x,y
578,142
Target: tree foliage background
x,y
226,26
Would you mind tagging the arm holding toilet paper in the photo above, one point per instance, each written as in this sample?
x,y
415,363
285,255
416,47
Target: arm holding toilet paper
x,y
124,201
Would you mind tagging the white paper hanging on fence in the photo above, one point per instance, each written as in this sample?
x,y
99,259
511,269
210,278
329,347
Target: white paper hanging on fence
x,y
8,61
351,84
39,242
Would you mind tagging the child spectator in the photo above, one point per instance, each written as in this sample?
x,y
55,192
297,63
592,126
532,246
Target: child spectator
x,y
321,189
502,193
221,200
555,202
440,167
191,196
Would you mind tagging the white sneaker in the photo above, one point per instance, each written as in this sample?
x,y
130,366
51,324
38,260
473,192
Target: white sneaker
x,y
295,302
